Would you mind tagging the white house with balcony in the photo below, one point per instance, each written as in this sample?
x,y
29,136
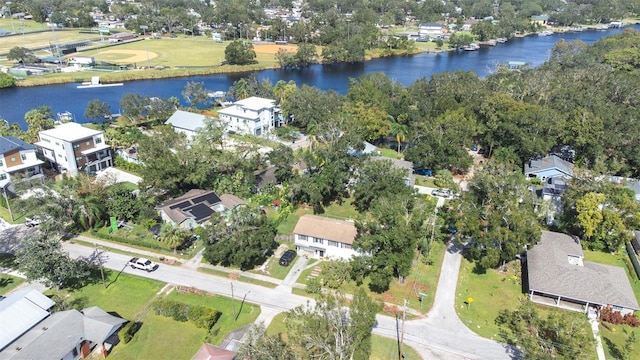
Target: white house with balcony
x,y
323,237
251,116
18,160
73,148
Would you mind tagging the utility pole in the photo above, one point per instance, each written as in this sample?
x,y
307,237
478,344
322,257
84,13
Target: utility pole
x,y
233,302
99,257
398,338
404,317
4,192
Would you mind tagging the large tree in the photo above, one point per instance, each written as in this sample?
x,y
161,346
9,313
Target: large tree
x,y
387,240
97,110
496,217
559,335
378,179
240,52
243,240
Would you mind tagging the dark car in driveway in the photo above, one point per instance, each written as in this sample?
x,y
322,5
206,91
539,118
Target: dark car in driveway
x,y
287,257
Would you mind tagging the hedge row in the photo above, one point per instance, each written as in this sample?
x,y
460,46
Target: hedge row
x,y
129,330
201,316
634,261
127,241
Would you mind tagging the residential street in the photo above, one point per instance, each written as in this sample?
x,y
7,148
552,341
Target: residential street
x,y
440,336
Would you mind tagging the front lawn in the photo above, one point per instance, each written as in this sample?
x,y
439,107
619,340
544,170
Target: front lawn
x,y
422,279
614,340
125,294
9,282
491,292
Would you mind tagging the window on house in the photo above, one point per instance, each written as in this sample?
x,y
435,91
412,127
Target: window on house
x,y
88,143
302,237
76,147
98,140
1,162
75,352
346,246
57,143
13,159
79,158
333,243
317,240
3,176
23,156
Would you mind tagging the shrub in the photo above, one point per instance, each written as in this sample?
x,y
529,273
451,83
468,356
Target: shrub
x,y
615,317
201,316
129,330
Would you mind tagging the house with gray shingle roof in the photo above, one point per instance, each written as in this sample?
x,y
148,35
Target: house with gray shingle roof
x,y
559,276
548,167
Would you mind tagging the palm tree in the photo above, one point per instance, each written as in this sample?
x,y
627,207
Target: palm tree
x,y
400,131
88,211
173,236
279,89
242,89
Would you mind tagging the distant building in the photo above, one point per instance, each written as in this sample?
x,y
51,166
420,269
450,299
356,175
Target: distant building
x,y
430,30
186,122
212,352
30,330
73,148
323,237
18,159
251,116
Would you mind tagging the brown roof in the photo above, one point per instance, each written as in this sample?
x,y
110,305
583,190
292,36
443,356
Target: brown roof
x,y
326,228
212,352
551,273
231,201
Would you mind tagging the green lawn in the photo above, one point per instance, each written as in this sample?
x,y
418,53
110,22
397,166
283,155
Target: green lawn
x,y
422,279
246,313
125,294
613,340
491,292
161,338
425,181
239,278
382,348
9,282
390,153
275,270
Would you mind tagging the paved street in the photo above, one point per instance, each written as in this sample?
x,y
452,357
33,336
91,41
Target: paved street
x,y
440,336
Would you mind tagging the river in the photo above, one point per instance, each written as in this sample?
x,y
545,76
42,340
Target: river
x,y
15,102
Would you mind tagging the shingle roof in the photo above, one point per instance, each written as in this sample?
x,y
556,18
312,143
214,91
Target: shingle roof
x,y
326,228
548,163
231,201
9,143
212,352
186,120
99,324
551,273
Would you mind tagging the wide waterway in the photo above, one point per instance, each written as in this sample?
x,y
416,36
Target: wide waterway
x,y
535,50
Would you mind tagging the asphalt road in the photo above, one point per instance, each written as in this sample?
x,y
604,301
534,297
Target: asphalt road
x,y
436,337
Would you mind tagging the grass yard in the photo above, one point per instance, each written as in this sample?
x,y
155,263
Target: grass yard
x,y
425,181
382,348
9,282
246,313
236,276
161,338
126,294
491,292
614,340
422,279
390,153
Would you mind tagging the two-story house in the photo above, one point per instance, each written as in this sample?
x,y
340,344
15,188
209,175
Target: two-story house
x,y
73,148
430,30
18,159
251,116
323,237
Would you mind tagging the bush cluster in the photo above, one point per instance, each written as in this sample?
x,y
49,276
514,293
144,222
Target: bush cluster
x,y
129,330
609,315
202,317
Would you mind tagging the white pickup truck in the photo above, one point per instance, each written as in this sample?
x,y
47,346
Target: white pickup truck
x,y
143,264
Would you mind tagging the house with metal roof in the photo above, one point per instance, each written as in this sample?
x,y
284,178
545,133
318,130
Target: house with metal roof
x,y
548,167
559,276
18,159
323,237
31,331
186,122
251,116
196,207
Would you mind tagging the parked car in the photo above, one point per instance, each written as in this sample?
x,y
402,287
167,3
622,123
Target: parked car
x,y
445,193
423,172
31,222
143,264
287,257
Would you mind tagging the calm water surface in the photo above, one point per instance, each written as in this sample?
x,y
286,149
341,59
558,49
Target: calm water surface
x,y
15,102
